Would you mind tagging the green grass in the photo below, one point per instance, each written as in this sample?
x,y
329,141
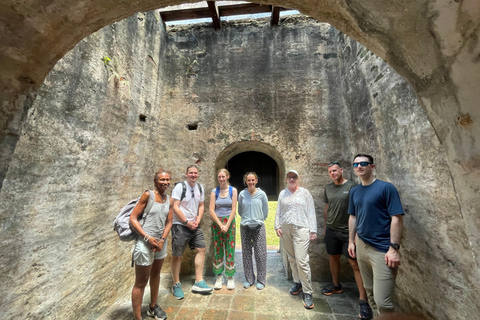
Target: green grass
x,y
272,238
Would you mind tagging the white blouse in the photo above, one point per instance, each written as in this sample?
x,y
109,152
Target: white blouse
x,y
297,209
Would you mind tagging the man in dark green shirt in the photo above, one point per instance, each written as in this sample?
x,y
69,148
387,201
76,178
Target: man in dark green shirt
x,y
336,197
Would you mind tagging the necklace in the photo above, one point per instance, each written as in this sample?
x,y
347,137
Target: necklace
x,y
162,197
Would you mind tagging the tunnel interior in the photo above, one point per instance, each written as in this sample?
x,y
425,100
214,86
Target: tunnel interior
x,y
264,166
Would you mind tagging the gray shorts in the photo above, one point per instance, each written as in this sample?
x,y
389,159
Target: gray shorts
x,y
182,235
144,256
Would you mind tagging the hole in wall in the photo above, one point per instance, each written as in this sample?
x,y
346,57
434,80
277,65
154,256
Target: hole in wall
x,y
192,126
142,117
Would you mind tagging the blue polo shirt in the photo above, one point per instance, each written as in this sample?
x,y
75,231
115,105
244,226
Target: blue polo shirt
x,y
373,205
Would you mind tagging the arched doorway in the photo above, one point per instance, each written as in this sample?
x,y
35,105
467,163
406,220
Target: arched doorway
x,y
257,156
268,163
264,166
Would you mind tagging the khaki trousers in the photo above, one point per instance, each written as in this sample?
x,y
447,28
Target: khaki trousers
x,y
295,242
378,278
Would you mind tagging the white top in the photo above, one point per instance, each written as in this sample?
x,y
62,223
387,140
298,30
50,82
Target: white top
x,y
189,205
296,209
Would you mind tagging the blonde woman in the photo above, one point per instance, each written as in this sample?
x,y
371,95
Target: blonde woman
x,y
223,205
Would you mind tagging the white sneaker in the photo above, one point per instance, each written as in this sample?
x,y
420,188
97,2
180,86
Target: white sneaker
x,y
230,283
219,282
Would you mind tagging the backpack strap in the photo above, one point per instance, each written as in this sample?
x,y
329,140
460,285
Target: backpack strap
x,y
230,192
146,211
184,190
200,188
148,207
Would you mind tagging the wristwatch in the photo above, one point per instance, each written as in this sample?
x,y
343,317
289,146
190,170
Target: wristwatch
x,y
395,246
185,222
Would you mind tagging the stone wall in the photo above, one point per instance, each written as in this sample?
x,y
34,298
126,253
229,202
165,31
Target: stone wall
x,y
256,88
387,122
302,93
83,152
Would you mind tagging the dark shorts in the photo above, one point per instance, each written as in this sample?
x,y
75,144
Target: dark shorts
x,y
337,242
182,235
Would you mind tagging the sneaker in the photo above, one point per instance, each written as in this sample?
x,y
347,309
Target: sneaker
x,y
247,284
219,282
297,287
260,286
157,313
201,287
365,310
230,283
330,289
177,291
308,300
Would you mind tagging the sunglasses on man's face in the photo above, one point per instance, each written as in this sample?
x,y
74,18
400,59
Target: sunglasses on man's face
x,y
362,163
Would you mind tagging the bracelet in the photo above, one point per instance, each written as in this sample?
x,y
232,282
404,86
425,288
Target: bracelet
x,y
146,238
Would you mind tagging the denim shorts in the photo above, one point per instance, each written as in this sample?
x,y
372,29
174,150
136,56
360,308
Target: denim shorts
x,y
144,256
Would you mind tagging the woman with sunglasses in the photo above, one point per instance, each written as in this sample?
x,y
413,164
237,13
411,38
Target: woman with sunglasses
x,y
222,211
296,224
253,208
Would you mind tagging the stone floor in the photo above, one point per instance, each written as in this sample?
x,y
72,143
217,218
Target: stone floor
x,y
273,302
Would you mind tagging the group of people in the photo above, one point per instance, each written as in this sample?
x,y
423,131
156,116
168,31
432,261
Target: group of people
x,y
363,222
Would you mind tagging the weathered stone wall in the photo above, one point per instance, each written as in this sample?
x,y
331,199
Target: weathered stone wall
x,y
293,92
274,90
83,152
387,122
432,43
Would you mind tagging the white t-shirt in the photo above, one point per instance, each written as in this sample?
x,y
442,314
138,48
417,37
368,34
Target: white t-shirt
x,y
189,205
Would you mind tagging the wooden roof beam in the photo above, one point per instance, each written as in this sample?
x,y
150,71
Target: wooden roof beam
x,y
212,5
186,14
219,11
275,16
244,8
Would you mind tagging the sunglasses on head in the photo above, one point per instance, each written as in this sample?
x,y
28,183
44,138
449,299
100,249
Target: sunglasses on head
x,y
362,163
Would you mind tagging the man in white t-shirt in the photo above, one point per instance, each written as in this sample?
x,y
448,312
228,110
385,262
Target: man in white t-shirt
x,y
188,206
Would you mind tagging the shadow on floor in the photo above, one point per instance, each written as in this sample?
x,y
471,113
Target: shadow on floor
x,y
274,302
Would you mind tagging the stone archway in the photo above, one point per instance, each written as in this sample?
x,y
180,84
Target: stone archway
x,y
264,166
432,45
246,146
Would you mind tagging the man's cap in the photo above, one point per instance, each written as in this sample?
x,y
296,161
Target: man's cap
x,y
292,171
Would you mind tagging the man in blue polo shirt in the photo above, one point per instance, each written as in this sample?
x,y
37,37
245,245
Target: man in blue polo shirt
x,y
375,230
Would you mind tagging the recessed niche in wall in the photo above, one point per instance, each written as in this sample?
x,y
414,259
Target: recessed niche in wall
x,y
142,117
192,126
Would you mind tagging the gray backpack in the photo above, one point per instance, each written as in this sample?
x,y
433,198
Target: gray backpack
x,y
122,221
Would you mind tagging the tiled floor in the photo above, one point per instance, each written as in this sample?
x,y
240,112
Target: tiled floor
x,y
274,302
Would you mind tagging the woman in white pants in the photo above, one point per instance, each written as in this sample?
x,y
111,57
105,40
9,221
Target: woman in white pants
x,y
296,224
